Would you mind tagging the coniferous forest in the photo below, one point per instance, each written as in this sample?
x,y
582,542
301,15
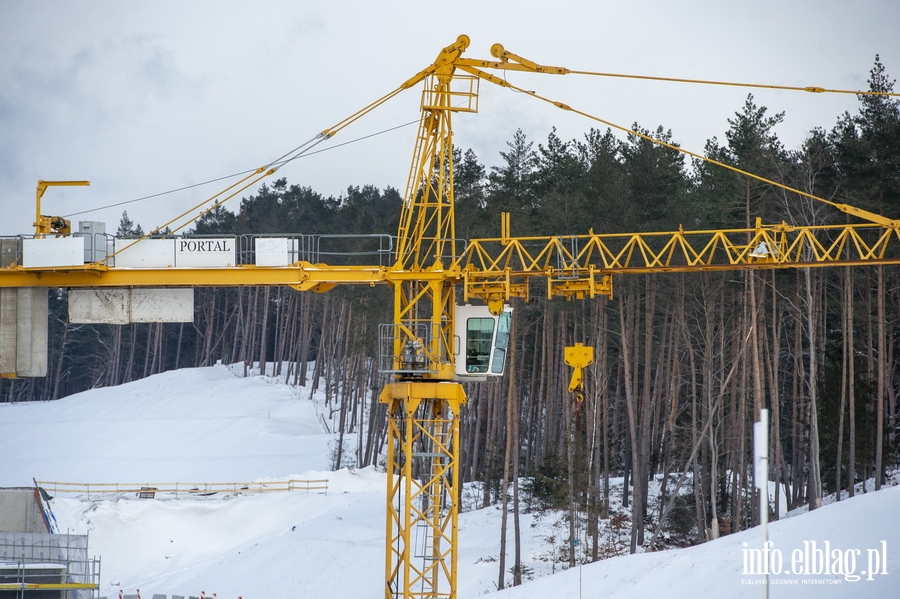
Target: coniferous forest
x,y
684,362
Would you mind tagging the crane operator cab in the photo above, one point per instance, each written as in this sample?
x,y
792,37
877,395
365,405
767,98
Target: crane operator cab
x,y
482,341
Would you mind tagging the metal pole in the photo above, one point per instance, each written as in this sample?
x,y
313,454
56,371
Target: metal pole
x,y
761,455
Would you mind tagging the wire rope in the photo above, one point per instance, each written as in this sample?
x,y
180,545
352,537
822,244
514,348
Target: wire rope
x,y
278,164
303,149
810,88
650,138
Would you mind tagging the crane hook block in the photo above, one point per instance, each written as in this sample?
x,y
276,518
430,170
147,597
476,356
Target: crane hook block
x,y
578,357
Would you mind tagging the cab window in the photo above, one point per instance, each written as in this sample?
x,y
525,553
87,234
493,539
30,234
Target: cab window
x,y
502,343
479,333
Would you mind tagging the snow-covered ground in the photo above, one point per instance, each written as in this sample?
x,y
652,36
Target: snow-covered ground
x,y
194,424
205,424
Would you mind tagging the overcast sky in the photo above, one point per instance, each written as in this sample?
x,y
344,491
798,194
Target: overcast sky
x,y
144,97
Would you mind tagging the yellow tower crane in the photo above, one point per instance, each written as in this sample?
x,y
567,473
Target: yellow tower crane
x,y
433,344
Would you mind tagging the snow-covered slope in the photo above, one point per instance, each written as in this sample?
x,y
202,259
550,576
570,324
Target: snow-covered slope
x,y
207,425
200,424
255,546
716,570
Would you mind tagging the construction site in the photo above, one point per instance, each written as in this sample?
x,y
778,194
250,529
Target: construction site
x,y
452,341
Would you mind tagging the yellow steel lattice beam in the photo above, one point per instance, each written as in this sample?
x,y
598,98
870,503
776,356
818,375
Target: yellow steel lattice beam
x,y
784,246
503,265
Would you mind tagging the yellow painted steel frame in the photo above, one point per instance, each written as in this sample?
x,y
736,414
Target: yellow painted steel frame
x,y
426,242
302,276
580,266
422,489
45,225
423,410
579,357
47,586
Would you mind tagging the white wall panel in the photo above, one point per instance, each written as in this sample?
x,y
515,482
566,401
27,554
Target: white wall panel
x,y
272,251
52,251
162,305
149,253
121,306
99,306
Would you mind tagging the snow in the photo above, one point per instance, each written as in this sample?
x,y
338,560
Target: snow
x,y
715,569
185,425
208,425
289,544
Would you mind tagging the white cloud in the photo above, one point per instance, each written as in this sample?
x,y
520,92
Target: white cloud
x,y
142,97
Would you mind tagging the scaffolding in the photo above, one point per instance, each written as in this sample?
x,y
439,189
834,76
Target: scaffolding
x,y
48,566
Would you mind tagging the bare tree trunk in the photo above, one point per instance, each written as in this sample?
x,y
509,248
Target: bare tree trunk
x,y
517,539
178,348
303,353
529,410
59,362
158,350
773,368
814,495
699,496
210,313
714,310
130,365
264,334
238,328
279,328
879,403
736,447
637,508
149,346
797,465
758,399
845,354
570,471
851,390
490,443
112,378
507,459
320,353
479,407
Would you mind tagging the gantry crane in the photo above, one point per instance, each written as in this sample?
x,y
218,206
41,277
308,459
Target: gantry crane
x,y
433,345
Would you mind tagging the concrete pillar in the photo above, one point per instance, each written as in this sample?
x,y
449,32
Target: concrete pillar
x,y
8,318
31,332
20,511
23,331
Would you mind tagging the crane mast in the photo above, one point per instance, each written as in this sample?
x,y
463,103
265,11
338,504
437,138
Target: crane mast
x,y
424,400
433,270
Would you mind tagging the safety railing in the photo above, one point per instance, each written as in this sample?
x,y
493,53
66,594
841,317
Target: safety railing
x,y
151,490
414,341
295,247
31,562
348,249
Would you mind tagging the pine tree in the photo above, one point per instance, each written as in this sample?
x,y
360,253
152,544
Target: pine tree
x,y
127,228
511,185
